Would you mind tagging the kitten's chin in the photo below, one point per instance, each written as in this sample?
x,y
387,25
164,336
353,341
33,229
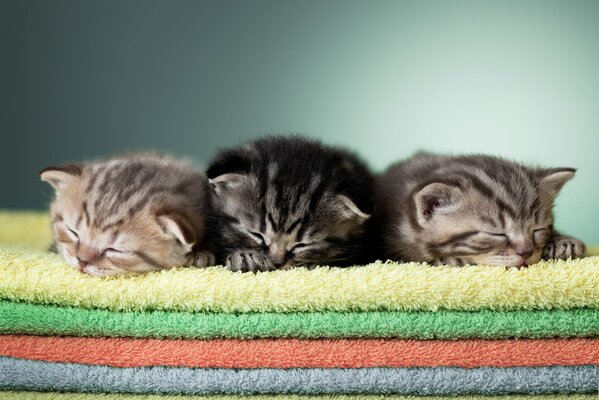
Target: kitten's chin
x,y
96,271
509,260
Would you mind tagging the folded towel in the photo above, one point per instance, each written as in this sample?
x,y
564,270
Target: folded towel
x,y
18,374
28,230
54,320
378,286
17,395
294,353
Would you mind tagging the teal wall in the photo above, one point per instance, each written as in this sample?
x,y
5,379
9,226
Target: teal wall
x,y
81,79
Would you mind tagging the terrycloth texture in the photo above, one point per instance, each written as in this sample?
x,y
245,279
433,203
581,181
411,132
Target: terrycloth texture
x,y
18,374
53,320
15,395
25,230
379,286
44,278
294,353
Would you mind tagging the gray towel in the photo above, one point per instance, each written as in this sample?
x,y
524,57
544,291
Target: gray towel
x,y
19,374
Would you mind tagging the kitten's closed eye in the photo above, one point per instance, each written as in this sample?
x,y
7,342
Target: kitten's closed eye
x,y
497,235
300,246
258,237
110,251
297,248
74,235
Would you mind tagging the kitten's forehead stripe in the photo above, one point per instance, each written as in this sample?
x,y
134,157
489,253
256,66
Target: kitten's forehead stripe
x,y
501,220
94,172
118,223
272,222
479,185
85,212
293,225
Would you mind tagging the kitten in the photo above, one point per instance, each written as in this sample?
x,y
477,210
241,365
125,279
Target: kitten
x,y
290,201
471,210
133,214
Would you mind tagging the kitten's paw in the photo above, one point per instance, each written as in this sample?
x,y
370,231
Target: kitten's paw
x,y
249,261
451,261
203,259
563,247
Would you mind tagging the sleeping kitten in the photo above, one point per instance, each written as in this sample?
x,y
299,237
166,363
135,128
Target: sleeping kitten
x,y
289,201
471,210
132,214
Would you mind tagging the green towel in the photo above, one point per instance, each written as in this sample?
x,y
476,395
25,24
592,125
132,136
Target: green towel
x,y
54,320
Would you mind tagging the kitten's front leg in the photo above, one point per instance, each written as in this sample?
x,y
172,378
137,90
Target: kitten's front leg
x,y
451,261
563,247
249,261
203,259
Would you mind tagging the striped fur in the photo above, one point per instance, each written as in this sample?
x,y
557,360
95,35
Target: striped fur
x,y
132,214
471,210
287,201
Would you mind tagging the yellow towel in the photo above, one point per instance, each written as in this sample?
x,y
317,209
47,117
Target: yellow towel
x,y
44,278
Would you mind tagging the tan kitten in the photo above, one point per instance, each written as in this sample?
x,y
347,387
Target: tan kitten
x,y
471,210
137,213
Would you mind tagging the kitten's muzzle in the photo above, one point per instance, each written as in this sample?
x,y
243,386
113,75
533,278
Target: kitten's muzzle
x,y
86,255
524,249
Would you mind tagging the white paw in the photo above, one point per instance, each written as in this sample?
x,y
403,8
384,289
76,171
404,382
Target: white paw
x,y
203,259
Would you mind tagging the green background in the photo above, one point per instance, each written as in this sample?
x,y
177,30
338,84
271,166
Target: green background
x,y
83,79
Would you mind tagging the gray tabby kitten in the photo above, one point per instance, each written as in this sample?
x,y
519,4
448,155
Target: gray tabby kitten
x,y
281,202
137,213
471,210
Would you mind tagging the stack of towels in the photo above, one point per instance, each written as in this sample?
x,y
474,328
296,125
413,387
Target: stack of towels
x,y
384,329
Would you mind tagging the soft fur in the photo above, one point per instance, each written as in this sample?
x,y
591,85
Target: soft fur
x,y
281,202
138,213
471,210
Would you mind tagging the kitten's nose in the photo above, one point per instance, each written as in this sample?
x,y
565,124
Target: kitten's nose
x,y
279,263
523,248
278,255
86,255
525,255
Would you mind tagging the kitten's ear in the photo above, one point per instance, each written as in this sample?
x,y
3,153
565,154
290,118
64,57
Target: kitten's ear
x,y
178,227
349,209
432,197
59,177
226,182
553,180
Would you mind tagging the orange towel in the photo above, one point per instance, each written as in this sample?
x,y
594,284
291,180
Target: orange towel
x,y
296,353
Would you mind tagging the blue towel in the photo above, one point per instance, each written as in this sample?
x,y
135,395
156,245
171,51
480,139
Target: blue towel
x,y
19,374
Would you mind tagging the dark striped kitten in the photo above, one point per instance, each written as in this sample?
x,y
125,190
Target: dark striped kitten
x,y
471,210
289,201
132,214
